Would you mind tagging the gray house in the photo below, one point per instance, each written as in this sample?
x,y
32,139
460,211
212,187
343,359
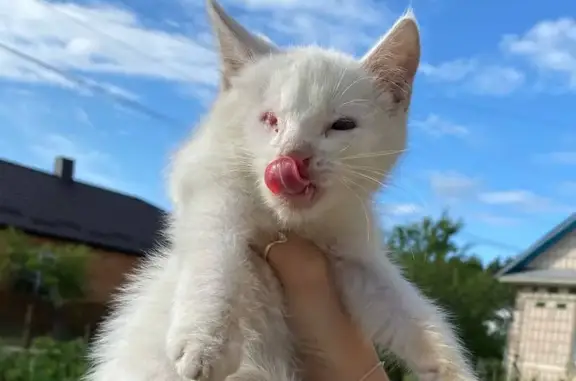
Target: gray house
x,y
542,335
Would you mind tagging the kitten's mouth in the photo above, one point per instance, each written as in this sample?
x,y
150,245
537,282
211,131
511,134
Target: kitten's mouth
x,y
288,177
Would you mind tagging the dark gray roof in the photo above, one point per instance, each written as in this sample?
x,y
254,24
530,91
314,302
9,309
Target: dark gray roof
x,y
559,277
55,205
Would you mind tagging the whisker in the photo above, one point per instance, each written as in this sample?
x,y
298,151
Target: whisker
x,y
335,89
365,176
366,169
366,214
345,148
374,154
352,84
361,102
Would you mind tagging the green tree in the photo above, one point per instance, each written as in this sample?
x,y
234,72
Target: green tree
x,y
46,360
63,273
456,280
53,272
15,249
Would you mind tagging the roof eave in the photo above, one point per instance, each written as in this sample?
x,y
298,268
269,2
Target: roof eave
x,y
541,246
537,281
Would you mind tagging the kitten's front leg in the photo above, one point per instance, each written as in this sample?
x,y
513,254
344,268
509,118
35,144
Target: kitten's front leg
x,y
399,318
204,338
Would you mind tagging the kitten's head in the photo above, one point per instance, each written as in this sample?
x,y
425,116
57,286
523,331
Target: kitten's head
x,y
324,129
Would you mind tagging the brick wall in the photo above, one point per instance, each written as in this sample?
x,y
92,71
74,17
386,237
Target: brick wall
x,y
107,271
542,332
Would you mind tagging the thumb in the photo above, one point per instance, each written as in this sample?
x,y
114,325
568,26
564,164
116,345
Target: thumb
x,y
296,261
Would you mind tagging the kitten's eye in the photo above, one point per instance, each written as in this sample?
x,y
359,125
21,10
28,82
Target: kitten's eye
x,y
344,124
270,119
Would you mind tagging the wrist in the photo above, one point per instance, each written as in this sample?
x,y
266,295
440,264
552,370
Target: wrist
x,y
354,351
348,354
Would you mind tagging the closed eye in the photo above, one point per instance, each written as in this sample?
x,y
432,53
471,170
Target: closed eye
x,y
344,124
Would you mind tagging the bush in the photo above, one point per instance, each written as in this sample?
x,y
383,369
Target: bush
x,y
46,360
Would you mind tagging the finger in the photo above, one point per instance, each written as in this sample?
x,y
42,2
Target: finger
x,y
298,261
264,241
288,251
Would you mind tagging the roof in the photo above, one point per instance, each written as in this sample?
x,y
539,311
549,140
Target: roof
x,y
55,205
559,277
540,247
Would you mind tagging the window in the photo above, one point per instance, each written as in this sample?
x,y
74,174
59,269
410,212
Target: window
x,y
572,290
561,306
540,304
553,290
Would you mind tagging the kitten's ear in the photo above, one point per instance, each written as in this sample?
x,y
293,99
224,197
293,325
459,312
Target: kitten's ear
x,y
394,60
237,46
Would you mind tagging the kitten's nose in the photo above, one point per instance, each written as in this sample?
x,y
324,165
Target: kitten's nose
x,y
302,156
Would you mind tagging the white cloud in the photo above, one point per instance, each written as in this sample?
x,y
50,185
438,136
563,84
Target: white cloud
x,y
406,209
124,46
475,77
452,185
496,80
92,165
549,45
527,200
100,39
38,131
568,188
436,126
350,25
83,118
367,11
497,220
560,157
450,71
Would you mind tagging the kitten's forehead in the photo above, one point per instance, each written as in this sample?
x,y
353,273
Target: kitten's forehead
x,y
316,77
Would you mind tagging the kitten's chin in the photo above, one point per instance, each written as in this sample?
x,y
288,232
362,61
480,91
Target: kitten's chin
x,y
301,201
297,207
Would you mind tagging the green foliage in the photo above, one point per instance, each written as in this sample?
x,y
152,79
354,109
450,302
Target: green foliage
x,y
4,266
15,250
46,360
456,280
54,271
64,273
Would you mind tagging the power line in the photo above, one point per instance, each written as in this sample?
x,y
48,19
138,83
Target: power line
x,y
486,109
491,242
95,87
87,26
139,107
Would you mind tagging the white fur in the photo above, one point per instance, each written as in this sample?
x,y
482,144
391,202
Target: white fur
x,y
205,304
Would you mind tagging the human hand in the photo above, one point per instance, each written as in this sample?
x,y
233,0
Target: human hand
x,y
332,346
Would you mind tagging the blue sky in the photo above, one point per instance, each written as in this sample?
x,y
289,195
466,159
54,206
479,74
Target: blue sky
x,y
493,122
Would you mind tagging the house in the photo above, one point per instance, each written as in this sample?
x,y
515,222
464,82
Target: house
x,y
55,207
542,334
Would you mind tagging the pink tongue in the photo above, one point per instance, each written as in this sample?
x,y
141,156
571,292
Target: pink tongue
x,y
286,175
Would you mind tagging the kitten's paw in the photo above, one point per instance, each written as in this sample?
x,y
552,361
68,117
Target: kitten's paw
x,y
202,360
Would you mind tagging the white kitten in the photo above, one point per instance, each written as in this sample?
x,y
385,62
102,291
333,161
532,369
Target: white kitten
x,y
206,307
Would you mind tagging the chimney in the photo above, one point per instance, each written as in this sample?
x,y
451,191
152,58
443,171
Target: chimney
x,y
64,168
